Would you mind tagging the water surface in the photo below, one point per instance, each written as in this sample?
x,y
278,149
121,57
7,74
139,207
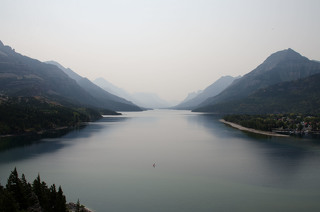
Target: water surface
x,y
201,165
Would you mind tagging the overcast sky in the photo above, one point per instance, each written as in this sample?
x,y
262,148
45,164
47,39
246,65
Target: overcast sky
x,y
168,47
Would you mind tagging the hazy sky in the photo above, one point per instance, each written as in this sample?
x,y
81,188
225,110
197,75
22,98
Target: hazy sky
x,y
168,47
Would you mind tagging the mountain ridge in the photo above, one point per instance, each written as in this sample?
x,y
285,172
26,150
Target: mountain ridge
x,y
24,76
21,75
105,98
298,96
282,66
143,99
210,91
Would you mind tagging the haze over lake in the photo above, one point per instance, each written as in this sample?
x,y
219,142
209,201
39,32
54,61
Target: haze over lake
x,y
142,45
200,165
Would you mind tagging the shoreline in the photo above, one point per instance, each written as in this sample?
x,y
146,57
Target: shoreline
x,y
239,127
44,131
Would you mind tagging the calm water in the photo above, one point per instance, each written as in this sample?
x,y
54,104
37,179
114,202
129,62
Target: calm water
x,y
201,165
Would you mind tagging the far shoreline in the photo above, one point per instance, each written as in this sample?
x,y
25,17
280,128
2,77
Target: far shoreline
x,y
239,127
45,131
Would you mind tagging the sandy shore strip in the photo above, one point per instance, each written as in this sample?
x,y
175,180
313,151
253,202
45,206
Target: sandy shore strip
x,y
239,127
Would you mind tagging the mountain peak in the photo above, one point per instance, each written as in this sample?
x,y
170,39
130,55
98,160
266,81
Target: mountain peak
x,y
282,66
287,54
6,50
274,59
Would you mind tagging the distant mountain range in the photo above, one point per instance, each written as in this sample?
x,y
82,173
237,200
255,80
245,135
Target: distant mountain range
x,y
21,76
145,100
193,100
263,90
109,87
105,98
285,82
150,100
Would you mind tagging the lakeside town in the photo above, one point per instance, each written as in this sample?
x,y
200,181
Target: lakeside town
x,y
288,124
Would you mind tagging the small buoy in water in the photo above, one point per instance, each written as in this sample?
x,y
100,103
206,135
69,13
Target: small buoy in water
x,y
154,165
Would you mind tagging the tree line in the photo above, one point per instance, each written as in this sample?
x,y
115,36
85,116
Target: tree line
x,y
19,115
19,195
269,122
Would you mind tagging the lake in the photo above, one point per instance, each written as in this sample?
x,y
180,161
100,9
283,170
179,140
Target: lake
x,y
200,165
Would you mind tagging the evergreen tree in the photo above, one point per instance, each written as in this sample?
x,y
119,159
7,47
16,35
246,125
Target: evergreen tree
x,y
41,190
53,198
14,186
36,186
78,206
21,196
26,192
7,201
61,201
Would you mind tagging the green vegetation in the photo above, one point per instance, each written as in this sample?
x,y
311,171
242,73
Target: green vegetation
x,y
19,195
283,123
19,115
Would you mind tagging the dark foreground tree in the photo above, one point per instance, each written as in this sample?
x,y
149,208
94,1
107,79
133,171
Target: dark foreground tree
x,y
19,195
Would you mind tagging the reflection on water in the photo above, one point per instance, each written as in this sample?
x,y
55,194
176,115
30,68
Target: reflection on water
x,y
201,165
18,141
48,142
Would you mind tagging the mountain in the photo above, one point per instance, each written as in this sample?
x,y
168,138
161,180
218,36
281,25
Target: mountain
x,y
145,100
104,98
68,71
21,76
191,96
211,91
109,87
298,96
282,66
149,100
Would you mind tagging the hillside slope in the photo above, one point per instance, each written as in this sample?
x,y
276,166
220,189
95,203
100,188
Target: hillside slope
x,y
104,98
298,96
286,65
23,76
211,91
282,66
